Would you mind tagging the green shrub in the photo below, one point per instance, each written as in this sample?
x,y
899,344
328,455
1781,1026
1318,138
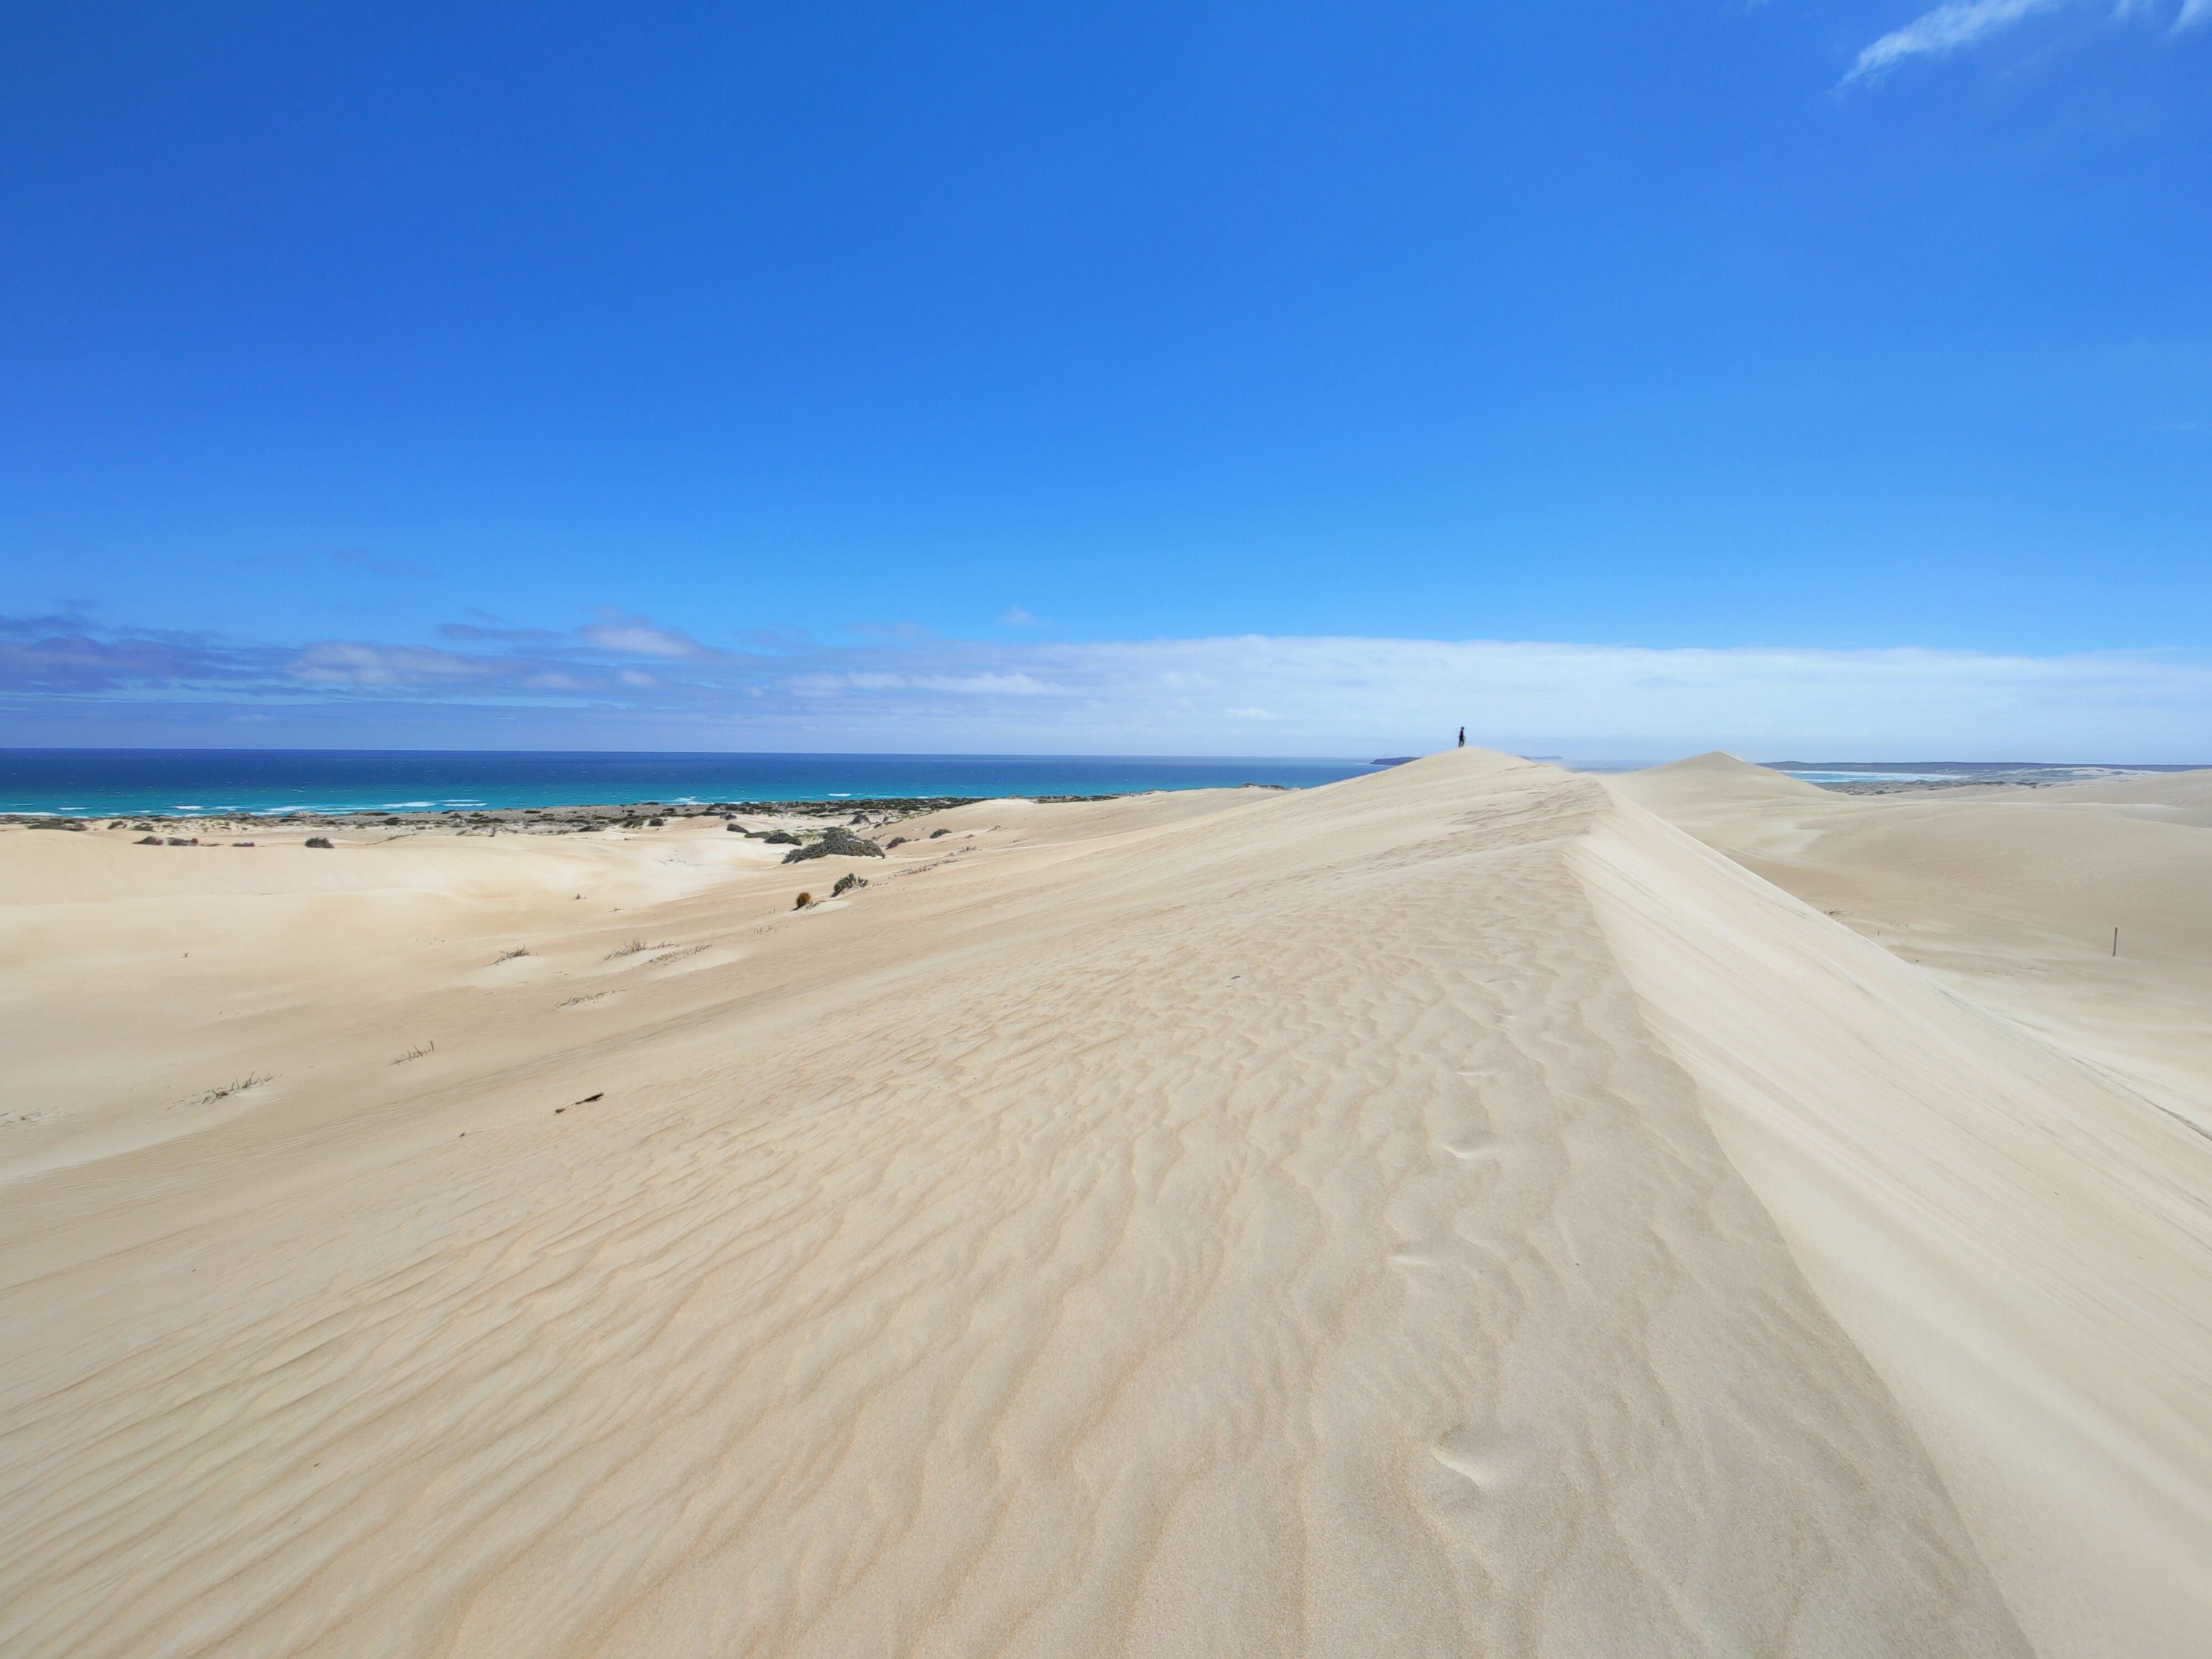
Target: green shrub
x,y
837,842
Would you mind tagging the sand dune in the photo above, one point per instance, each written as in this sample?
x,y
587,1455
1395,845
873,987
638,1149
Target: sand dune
x,y
1395,1217
2018,1234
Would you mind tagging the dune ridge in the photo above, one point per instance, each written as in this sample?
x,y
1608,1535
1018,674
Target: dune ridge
x,y
1289,1225
2019,1241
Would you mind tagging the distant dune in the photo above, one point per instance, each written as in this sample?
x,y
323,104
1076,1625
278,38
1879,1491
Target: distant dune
x,y
1470,1208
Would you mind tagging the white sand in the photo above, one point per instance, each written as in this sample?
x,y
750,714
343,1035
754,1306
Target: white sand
x,y
2008,1215
1449,1212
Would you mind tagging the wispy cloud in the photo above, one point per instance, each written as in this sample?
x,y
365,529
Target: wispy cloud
x,y
627,635
1017,618
69,655
626,682
1945,29
475,634
1962,23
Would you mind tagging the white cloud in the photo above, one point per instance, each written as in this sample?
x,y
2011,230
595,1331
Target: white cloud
x,y
634,636
345,662
1961,23
1017,618
1945,29
1344,697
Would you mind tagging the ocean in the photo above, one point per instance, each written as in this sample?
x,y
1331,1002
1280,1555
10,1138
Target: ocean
x,y
233,783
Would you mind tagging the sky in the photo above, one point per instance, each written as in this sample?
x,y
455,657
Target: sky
x,y
1819,377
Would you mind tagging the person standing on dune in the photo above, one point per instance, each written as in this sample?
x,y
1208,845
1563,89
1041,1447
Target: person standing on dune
x,y
1463,736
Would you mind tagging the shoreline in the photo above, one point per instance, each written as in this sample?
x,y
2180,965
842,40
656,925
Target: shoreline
x,y
596,815
877,810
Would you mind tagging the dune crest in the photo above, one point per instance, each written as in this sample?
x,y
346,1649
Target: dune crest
x,y
2020,1243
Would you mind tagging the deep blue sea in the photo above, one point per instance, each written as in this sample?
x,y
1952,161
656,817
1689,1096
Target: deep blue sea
x,y
125,782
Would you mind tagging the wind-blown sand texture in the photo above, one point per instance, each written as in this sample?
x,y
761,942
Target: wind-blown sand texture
x,y
1449,1212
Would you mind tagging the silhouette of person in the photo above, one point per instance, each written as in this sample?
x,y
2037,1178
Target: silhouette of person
x,y
1463,736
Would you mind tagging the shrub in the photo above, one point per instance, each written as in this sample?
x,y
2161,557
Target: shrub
x,y
781,838
318,841
147,840
838,843
846,883
896,841
934,834
804,899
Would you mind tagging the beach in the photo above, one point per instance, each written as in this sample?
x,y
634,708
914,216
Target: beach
x,y
1470,1208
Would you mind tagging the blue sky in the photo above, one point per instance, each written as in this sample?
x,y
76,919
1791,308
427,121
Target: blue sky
x,y
963,375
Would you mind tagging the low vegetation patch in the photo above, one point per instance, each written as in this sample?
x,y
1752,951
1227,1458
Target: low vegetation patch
x,y
836,842
318,841
847,883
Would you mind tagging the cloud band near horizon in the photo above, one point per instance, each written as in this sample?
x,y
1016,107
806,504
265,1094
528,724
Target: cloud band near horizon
x,y
625,682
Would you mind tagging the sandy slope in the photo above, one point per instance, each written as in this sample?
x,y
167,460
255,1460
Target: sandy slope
x,y
2009,896
1193,1224
2015,1229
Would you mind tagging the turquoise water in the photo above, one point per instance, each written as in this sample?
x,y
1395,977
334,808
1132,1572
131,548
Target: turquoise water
x,y
204,783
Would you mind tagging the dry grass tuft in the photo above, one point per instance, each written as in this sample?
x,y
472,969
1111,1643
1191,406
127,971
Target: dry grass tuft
x,y
235,1086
